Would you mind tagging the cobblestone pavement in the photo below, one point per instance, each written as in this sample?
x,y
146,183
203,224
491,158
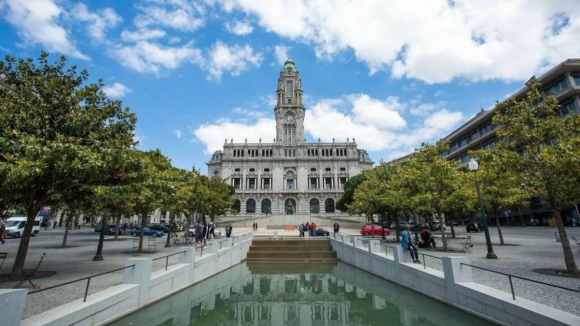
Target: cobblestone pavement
x,y
75,262
525,250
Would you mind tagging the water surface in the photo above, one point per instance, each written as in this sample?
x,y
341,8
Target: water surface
x,y
298,294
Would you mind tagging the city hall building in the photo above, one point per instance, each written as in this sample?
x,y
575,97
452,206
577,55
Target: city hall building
x,y
288,176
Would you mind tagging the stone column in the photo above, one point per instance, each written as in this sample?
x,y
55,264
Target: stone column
x,y
188,257
455,273
12,306
139,274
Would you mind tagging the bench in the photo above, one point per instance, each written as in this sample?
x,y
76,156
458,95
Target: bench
x,y
28,274
151,243
3,256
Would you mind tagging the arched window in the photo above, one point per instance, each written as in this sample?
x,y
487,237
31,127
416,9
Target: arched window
x,y
251,206
266,206
237,205
314,206
329,205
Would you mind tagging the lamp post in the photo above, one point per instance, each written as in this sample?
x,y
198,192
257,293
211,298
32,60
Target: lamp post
x,y
168,243
474,166
383,226
99,254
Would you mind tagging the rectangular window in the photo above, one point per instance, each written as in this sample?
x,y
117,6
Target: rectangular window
x,y
237,183
462,142
342,182
289,183
557,88
327,183
576,80
474,136
567,108
313,183
289,88
267,183
251,183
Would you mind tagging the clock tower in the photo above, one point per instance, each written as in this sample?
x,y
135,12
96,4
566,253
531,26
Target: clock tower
x,y
289,111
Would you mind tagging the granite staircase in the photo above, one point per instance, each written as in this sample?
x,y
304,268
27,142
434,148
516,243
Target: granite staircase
x,y
305,249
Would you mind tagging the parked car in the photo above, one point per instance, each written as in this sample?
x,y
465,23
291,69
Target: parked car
x,y
321,232
472,227
437,226
110,228
146,232
374,229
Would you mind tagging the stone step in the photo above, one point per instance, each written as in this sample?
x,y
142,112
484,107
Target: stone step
x,y
293,242
267,267
297,248
293,260
292,255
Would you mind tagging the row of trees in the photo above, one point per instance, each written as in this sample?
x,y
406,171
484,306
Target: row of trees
x,y
65,144
537,155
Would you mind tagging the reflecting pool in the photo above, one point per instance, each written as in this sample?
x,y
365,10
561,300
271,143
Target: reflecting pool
x,y
298,294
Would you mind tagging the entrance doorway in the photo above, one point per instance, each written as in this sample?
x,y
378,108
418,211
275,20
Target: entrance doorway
x,y
290,206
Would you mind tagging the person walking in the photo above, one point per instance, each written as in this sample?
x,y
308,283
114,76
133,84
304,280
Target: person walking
x,y
336,228
407,243
229,230
2,231
313,229
301,230
198,231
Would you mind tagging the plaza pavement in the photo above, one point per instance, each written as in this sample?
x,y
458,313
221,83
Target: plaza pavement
x,y
526,249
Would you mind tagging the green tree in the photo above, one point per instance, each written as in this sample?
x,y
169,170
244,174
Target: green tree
x,y
218,197
349,188
57,134
500,186
463,200
548,163
432,180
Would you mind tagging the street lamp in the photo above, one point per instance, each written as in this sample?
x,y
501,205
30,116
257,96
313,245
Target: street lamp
x,y
473,167
104,228
383,226
168,244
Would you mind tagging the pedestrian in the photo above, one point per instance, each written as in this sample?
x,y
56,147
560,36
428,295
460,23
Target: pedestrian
x,y
256,226
336,228
313,228
205,233
301,230
198,231
406,243
228,230
2,231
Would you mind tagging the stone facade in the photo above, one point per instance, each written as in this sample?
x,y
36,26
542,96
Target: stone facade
x,y
288,176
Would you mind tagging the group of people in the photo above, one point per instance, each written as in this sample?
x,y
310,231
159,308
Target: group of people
x,y
203,232
255,227
427,241
304,228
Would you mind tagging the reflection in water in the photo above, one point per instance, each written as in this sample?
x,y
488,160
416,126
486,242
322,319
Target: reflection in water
x,y
329,294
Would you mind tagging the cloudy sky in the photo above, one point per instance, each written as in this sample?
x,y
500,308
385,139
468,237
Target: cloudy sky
x,y
390,73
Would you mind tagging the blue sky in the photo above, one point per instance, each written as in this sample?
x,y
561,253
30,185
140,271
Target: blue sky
x,y
391,74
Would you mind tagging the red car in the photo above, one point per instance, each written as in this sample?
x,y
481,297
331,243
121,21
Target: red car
x,y
375,229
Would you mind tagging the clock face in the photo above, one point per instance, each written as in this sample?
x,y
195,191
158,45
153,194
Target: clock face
x,y
289,118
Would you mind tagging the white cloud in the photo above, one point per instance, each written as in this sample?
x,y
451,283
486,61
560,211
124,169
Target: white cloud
x,y
97,23
37,22
174,39
339,119
213,135
149,57
177,133
239,27
142,35
281,53
436,40
182,15
116,90
233,59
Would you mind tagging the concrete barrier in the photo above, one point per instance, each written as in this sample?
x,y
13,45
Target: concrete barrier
x,y
454,285
140,287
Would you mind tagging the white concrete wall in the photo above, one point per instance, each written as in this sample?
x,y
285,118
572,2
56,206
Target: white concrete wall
x,y
454,285
140,287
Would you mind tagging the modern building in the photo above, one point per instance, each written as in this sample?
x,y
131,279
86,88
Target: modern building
x,y
562,81
288,176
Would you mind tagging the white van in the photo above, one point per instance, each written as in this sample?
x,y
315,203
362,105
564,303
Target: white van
x,y
15,226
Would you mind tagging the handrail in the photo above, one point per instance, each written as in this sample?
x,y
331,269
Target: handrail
x,y
167,258
88,278
521,278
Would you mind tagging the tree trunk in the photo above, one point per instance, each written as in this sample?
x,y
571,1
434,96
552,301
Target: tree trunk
x,y
451,225
60,221
18,266
144,224
117,228
442,230
568,254
66,227
501,242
